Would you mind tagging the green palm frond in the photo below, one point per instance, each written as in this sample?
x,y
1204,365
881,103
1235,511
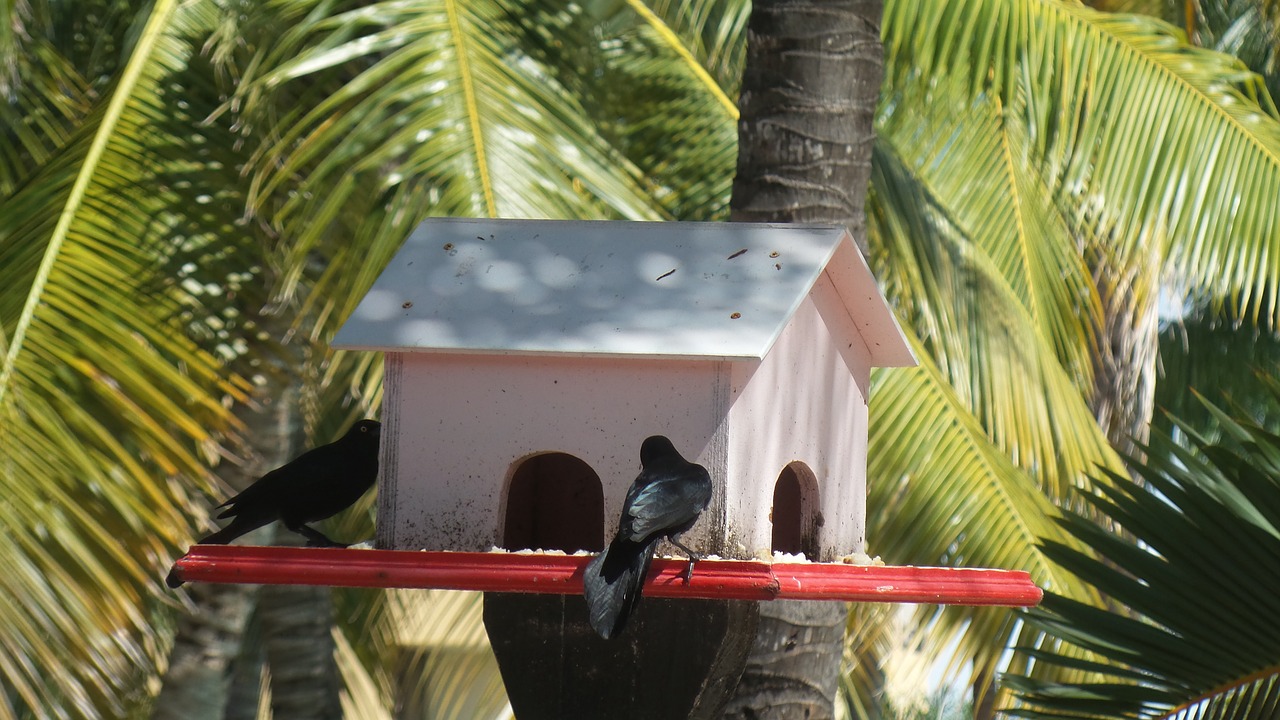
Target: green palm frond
x,y
714,33
1174,13
349,388
873,632
1146,142
1246,29
1017,137
970,248
699,36
940,493
658,81
1217,360
100,401
55,59
400,110
41,116
653,92
1194,636
468,120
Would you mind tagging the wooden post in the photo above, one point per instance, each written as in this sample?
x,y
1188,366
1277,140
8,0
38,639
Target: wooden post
x,y
675,659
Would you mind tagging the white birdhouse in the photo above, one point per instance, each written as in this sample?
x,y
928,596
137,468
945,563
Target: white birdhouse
x,y
527,360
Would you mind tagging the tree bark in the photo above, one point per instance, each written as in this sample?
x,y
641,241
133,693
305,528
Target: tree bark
x,y
805,135
244,702
298,623
808,100
1124,379
197,683
793,670
207,644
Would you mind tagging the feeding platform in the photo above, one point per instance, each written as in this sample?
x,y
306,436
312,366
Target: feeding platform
x,y
525,363
562,574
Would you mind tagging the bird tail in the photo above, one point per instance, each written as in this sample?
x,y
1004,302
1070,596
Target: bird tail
x,y
612,584
223,536
239,526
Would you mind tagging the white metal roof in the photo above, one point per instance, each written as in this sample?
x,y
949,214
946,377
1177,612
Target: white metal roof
x,y
670,289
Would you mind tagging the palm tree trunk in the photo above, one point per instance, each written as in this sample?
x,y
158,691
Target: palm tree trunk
x,y
793,670
197,683
1124,379
298,623
808,100
207,644
244,702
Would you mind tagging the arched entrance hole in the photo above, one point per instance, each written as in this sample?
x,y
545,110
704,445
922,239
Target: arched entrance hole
x,y
795,513
554,502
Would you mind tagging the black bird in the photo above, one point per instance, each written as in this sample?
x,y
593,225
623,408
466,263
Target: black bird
x,y
664,501
317,484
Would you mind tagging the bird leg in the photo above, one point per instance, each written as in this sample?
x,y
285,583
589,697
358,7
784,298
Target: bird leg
x,y
314,537
693,557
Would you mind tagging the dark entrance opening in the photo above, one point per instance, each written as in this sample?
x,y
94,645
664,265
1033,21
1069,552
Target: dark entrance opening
x,y
795,517
554,502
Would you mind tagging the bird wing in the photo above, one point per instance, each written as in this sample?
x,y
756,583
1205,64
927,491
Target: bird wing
x,y
288,479
262,489
661,501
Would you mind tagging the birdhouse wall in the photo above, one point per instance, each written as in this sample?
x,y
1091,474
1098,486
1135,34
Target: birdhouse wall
x,y
804,402
456,426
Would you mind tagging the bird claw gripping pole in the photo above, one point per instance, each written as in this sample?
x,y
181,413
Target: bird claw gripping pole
x,y
693,558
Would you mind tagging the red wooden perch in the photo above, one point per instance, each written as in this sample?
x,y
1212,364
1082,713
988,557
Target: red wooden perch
x,y
562,574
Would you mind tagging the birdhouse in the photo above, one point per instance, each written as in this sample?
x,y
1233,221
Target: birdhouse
x,y
526,361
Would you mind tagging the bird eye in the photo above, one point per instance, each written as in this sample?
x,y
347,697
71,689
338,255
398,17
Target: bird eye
x,y
364,428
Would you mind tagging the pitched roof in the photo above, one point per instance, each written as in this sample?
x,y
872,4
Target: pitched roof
x,y
672,290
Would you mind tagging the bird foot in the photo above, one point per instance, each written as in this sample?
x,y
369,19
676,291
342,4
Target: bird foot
x,y
314,537
693,557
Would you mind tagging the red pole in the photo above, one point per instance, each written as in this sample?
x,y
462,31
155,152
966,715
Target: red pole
x,y
562,574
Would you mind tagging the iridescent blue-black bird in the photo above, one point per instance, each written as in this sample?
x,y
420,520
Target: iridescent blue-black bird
x,y
664,501
317,484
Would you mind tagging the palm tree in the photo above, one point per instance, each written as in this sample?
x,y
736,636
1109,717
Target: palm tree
x,y
1189,635
1020,249
808,97
103,406
1027,170
1022,210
